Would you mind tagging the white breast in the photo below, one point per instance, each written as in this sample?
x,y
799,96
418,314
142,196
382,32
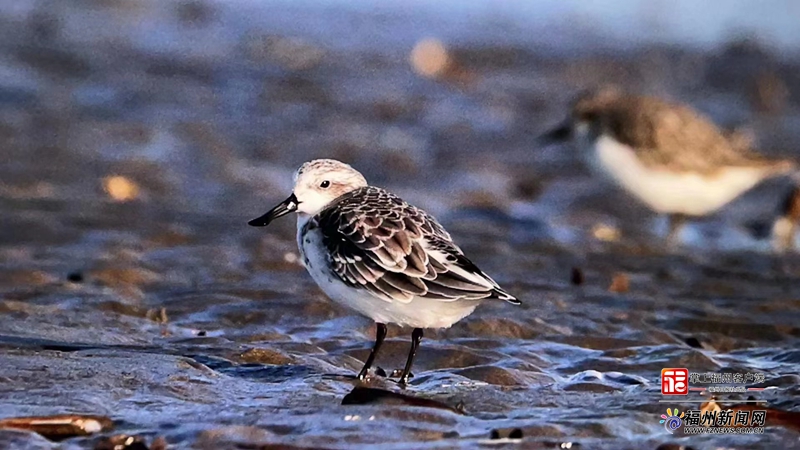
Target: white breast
x,y
419,312
664,191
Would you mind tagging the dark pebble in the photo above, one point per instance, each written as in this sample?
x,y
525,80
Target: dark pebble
x,y
693,342
510,433
75,277
576,277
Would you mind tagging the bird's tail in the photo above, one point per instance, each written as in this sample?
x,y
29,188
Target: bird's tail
x,y
501,294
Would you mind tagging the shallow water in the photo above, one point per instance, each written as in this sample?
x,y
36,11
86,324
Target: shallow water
x,y
168,314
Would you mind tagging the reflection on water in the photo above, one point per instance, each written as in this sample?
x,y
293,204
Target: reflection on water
x,y
138,137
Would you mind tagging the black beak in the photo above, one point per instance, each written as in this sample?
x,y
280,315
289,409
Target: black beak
x,y
285,207
558,134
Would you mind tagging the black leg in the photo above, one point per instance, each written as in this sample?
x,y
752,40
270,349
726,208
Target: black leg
x,y
416,337
380,335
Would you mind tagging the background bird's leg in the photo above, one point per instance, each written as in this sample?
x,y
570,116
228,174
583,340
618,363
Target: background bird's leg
x,y
416,337
783,231
380,335
785,227
676,222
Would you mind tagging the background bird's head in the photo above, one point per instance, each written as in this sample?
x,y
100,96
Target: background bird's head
x,y
587,117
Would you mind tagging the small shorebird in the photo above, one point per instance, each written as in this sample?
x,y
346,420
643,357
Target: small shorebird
x,y
372,252
667,155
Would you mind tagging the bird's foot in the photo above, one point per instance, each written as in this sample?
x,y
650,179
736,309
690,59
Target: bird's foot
x,y
403,380
365,376
398,373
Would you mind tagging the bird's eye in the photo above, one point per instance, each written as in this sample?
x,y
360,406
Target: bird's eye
x,y
325,184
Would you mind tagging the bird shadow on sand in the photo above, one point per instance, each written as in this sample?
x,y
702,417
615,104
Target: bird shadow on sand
x,y
366,395
379,389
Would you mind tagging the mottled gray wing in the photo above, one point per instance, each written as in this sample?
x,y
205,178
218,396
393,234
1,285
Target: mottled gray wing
x,y
380,243
678,137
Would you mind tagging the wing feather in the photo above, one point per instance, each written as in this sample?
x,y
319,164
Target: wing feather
x,y
678,136
397,252
367,273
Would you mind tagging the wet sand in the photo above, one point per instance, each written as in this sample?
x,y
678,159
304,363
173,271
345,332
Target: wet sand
x,y
146,298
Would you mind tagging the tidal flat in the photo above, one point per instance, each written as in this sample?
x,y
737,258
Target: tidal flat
x,y
139,137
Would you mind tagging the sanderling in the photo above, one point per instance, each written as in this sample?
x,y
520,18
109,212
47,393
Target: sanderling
x,y
372,252
667,155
